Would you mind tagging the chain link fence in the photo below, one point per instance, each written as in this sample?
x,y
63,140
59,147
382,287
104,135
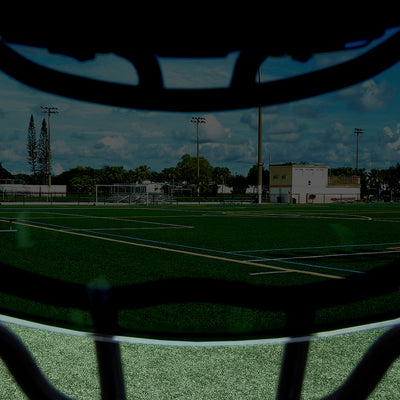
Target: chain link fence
x,y
157,198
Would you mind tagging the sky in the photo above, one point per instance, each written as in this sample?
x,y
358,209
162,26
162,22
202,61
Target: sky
x,y
317,130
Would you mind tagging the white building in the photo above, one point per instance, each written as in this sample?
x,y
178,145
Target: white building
x,y
306,183
11,189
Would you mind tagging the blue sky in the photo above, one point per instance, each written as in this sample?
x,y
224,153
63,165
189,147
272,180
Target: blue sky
x,y
316,130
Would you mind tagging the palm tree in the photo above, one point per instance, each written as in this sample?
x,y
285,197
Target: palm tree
x,y
391,177
375,180
113,175
221,175
170,175
142,173
375,177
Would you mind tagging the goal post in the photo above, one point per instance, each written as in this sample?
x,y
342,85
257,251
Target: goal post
x,y
129,194
120,193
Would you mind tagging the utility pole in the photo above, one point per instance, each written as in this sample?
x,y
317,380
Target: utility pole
x,y
197,121
260,161
358,131
48,111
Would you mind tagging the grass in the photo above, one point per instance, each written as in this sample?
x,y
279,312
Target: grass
x,y
193,373
126,245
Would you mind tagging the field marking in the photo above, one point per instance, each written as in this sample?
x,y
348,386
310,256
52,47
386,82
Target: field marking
x,y
319,247
368,253
260,259
297,214
96,231
153,228
62,215
185,252
269,272
365,253
287,260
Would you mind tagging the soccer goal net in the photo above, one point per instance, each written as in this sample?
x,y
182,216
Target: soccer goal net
x,y
128,194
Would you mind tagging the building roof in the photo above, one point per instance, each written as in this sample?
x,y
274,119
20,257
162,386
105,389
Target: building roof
x,y
300,165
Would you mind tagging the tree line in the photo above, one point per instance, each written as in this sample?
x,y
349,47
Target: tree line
x,y
186,172
189,170
377,182
84,179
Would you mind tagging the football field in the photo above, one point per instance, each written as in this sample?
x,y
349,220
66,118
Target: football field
x,y
278,249
306,242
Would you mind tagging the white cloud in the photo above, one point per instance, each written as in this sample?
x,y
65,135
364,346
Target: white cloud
x,y
337,132
57,169
213,130
394,145
388,132
339,153
369,96
114,143
391,137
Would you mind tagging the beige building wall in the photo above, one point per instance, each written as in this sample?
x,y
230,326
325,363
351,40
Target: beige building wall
x,y
307,183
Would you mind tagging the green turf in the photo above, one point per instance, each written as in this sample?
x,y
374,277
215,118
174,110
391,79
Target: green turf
x,y
129,245
249,372
212,373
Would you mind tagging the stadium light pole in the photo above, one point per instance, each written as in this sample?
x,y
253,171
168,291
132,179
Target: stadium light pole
x,y
48,111
358,131
260,161
197,121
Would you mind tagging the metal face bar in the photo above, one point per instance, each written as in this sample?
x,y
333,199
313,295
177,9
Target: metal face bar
x,y
110,370
358,386
371,369
292,371
239,95
24,369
